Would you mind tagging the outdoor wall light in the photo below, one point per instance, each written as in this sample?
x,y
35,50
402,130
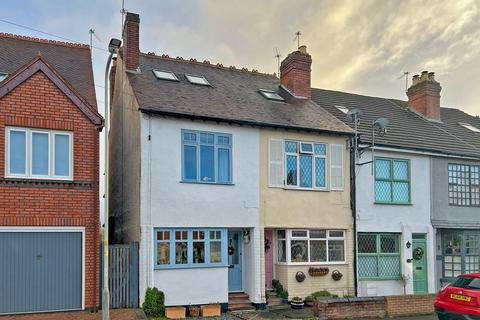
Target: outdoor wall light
x,y
246,236
408,244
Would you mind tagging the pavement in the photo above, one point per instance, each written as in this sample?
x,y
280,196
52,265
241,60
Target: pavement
x,y
117,314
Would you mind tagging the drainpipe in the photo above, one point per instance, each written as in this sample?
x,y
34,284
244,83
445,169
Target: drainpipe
x,y
353,161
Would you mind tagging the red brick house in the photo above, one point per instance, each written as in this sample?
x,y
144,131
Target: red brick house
x,y
49,176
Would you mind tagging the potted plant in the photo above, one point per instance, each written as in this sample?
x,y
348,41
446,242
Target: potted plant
x,y
297,303
194,311
309,301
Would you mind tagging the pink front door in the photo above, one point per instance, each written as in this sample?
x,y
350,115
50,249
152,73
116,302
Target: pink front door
x,y
268,258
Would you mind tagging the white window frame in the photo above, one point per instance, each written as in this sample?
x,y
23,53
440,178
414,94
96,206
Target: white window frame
x,y
289,238
28,154
313,155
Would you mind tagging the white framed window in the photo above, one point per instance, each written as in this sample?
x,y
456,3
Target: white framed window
x,y
315,246
38,154
305,164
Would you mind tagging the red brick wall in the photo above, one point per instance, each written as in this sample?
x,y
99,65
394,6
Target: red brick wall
x,y
424,98
295,73
372,307
410,305
131,31
38,103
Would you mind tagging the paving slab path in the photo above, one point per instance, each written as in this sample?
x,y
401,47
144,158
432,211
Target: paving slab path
x,y
117,314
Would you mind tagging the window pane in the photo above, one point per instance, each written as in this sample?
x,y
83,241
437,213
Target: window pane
x,y
62,155
335,234
291,147
215,251
40,153
322,234
198,235
306,171
306,147
163,253
223,165
400,170
281,251
207,163
291,170
207,138
299,250
389,266
388,243
17,152
383,191
190,137
401,192
336,250
320,172
299,233
281,234
181,252
467,283
320,149
382,168
367,267
198,252
367,243
318,250
190,162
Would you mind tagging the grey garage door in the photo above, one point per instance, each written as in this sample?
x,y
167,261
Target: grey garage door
x,y
40,271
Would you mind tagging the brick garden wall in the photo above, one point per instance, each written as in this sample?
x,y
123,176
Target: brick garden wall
x,y
374,307
407,305
38,103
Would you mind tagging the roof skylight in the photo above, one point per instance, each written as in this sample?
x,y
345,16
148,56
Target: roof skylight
x,y
342,109
197,80
469,126
271,95
3,76
165,75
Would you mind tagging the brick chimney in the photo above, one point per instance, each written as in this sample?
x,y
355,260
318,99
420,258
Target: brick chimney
x,y
131,49
295,73
424,95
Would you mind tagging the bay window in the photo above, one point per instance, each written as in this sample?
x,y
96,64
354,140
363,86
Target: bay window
x,y
38,154
190,248
310,246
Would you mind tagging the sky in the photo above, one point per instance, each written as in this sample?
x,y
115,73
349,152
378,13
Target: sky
x,y
357,46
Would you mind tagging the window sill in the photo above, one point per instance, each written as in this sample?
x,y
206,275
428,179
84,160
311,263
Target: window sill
x,y
190,266
379,279
39,180
209,183
306,189
394,203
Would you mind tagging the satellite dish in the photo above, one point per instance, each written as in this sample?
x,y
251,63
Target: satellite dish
x,y
354,114
381,125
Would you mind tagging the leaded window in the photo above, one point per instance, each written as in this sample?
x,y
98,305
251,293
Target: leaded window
x,y
463,185
305,164
378,256
392,181
461,252
311,246
206,157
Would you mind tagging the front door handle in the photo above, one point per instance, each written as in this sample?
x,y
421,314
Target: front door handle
x,y
231,266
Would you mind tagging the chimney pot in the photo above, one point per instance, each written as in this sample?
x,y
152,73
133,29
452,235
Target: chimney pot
x,y
131,30
302,49
424,95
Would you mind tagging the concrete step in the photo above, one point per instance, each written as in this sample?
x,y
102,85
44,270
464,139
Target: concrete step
x,y
272,293
274,301
241,307
238,300
237,295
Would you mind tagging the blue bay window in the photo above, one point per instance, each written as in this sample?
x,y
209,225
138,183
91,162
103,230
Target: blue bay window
x,y
392,181
206,157
190,248
305,164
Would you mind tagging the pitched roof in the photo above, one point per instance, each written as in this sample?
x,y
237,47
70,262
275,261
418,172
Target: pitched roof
x,y
232,97
72,61
407,129
38,63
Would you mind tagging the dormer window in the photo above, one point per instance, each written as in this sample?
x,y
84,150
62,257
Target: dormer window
x,y
165,75
469,126
3,76
271,95
200,80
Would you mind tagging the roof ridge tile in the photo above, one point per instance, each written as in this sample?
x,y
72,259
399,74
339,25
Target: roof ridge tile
x,y
45,41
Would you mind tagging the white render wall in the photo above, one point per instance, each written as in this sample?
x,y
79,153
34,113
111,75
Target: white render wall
x,y
168,202
405,219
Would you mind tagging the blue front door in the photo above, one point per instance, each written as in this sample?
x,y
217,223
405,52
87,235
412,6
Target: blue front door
x,y
234,261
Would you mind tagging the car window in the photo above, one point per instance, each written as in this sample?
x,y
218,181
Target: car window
x,y
467,283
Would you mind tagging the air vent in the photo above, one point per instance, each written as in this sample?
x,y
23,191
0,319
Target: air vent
x,y
271,95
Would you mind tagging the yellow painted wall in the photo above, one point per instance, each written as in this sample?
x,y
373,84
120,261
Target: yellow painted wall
x,y
308,209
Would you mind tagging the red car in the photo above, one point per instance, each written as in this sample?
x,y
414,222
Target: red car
x,y
460,299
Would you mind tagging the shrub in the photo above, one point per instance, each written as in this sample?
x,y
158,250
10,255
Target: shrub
x,y
323,294
283,294
154,304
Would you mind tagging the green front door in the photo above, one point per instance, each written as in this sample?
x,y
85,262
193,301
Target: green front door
x,y
419,255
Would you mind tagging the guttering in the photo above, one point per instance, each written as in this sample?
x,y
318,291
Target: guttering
x,y
241,122
420,151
